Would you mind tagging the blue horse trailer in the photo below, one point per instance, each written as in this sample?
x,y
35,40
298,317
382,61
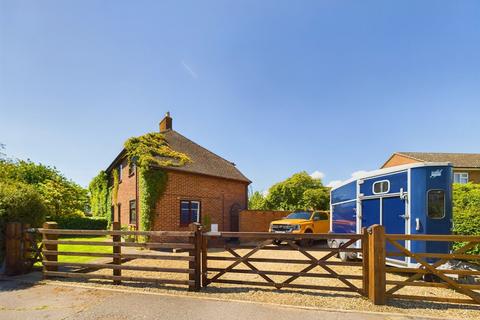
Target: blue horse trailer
x,y
408,199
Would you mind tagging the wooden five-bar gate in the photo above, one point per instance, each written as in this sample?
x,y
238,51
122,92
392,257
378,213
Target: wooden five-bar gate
x,y
266,242
229,258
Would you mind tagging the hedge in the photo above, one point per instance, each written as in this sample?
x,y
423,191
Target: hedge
x,y
19,202
81,223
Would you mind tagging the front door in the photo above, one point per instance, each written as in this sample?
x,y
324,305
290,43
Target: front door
x,y
393,219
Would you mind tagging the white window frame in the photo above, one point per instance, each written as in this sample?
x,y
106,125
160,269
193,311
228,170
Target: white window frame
x,y
191,201
120,172
460,175
380,181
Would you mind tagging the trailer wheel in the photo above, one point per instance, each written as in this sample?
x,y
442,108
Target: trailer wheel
x,y
343,255
428,277
306,242
334,245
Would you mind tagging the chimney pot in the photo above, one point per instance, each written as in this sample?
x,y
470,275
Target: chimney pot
x,y
166,123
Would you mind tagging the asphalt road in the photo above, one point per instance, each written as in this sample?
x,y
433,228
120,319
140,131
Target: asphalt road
x,y
26,301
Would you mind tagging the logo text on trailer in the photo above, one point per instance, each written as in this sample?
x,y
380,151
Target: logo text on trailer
x,y
436,173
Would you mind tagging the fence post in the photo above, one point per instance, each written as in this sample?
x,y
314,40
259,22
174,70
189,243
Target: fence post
x,y
13,252
50,247
117,251
204,260
27,248
196,254
365,262
376,268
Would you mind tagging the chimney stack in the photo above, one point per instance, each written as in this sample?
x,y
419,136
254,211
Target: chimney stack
x,y
166,123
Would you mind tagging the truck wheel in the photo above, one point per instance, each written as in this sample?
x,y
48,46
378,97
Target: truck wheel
x,y
306,242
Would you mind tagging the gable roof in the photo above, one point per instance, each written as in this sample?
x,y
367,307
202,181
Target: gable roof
x,y
459,160
203,161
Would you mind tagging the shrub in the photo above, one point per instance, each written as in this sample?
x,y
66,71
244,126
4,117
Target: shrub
x,y
19,202
466,211
81,223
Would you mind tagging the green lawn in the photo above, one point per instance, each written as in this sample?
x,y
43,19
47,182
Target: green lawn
x,y
82,248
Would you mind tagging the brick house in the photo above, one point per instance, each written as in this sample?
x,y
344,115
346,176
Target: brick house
x,y
466,166
207,186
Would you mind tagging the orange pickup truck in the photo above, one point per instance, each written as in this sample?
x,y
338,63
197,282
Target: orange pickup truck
x,y
300,222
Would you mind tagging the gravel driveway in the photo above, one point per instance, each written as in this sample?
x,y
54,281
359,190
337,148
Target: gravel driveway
x,y
296,297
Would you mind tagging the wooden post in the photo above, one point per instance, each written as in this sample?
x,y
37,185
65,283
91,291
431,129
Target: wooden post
x,y
28,254
204,260
118,251
376,267
50,247
196,254
14,252
365,262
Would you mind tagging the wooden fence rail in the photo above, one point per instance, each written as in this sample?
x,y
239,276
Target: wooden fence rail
x,y
191,244
370,275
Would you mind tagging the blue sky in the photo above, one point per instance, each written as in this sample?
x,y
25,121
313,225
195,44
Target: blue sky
x,y
275,86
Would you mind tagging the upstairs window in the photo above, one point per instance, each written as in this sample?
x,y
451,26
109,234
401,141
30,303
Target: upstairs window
x,y
460,177
436,204
189,212
120,167
133,212
131,169
380,187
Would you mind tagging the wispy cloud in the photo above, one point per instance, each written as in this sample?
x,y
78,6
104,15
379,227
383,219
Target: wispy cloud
x,y
317,175
357,174
189,70
334,183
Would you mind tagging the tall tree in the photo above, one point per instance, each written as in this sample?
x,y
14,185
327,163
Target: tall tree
x,y
300,191
256,201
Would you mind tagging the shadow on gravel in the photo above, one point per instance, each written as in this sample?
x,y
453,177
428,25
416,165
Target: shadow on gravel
x,y
409,304
21,282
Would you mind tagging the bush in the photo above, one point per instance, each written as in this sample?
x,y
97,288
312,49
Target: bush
x,y
466,211
19,202
81,223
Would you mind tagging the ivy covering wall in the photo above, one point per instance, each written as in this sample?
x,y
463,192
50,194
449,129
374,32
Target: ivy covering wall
x,y
150,153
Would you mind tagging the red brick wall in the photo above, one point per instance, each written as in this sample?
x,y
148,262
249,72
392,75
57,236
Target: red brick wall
x,y
216,197
398,160
259,220
126,192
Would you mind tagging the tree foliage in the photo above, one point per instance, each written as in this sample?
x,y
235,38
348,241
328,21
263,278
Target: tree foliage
x,y
19,202
256,201
300,191
60,195
99,193
466,210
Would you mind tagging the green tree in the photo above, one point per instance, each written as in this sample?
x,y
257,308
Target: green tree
x,y
61,196
290,194
99,195
256,201
316,199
